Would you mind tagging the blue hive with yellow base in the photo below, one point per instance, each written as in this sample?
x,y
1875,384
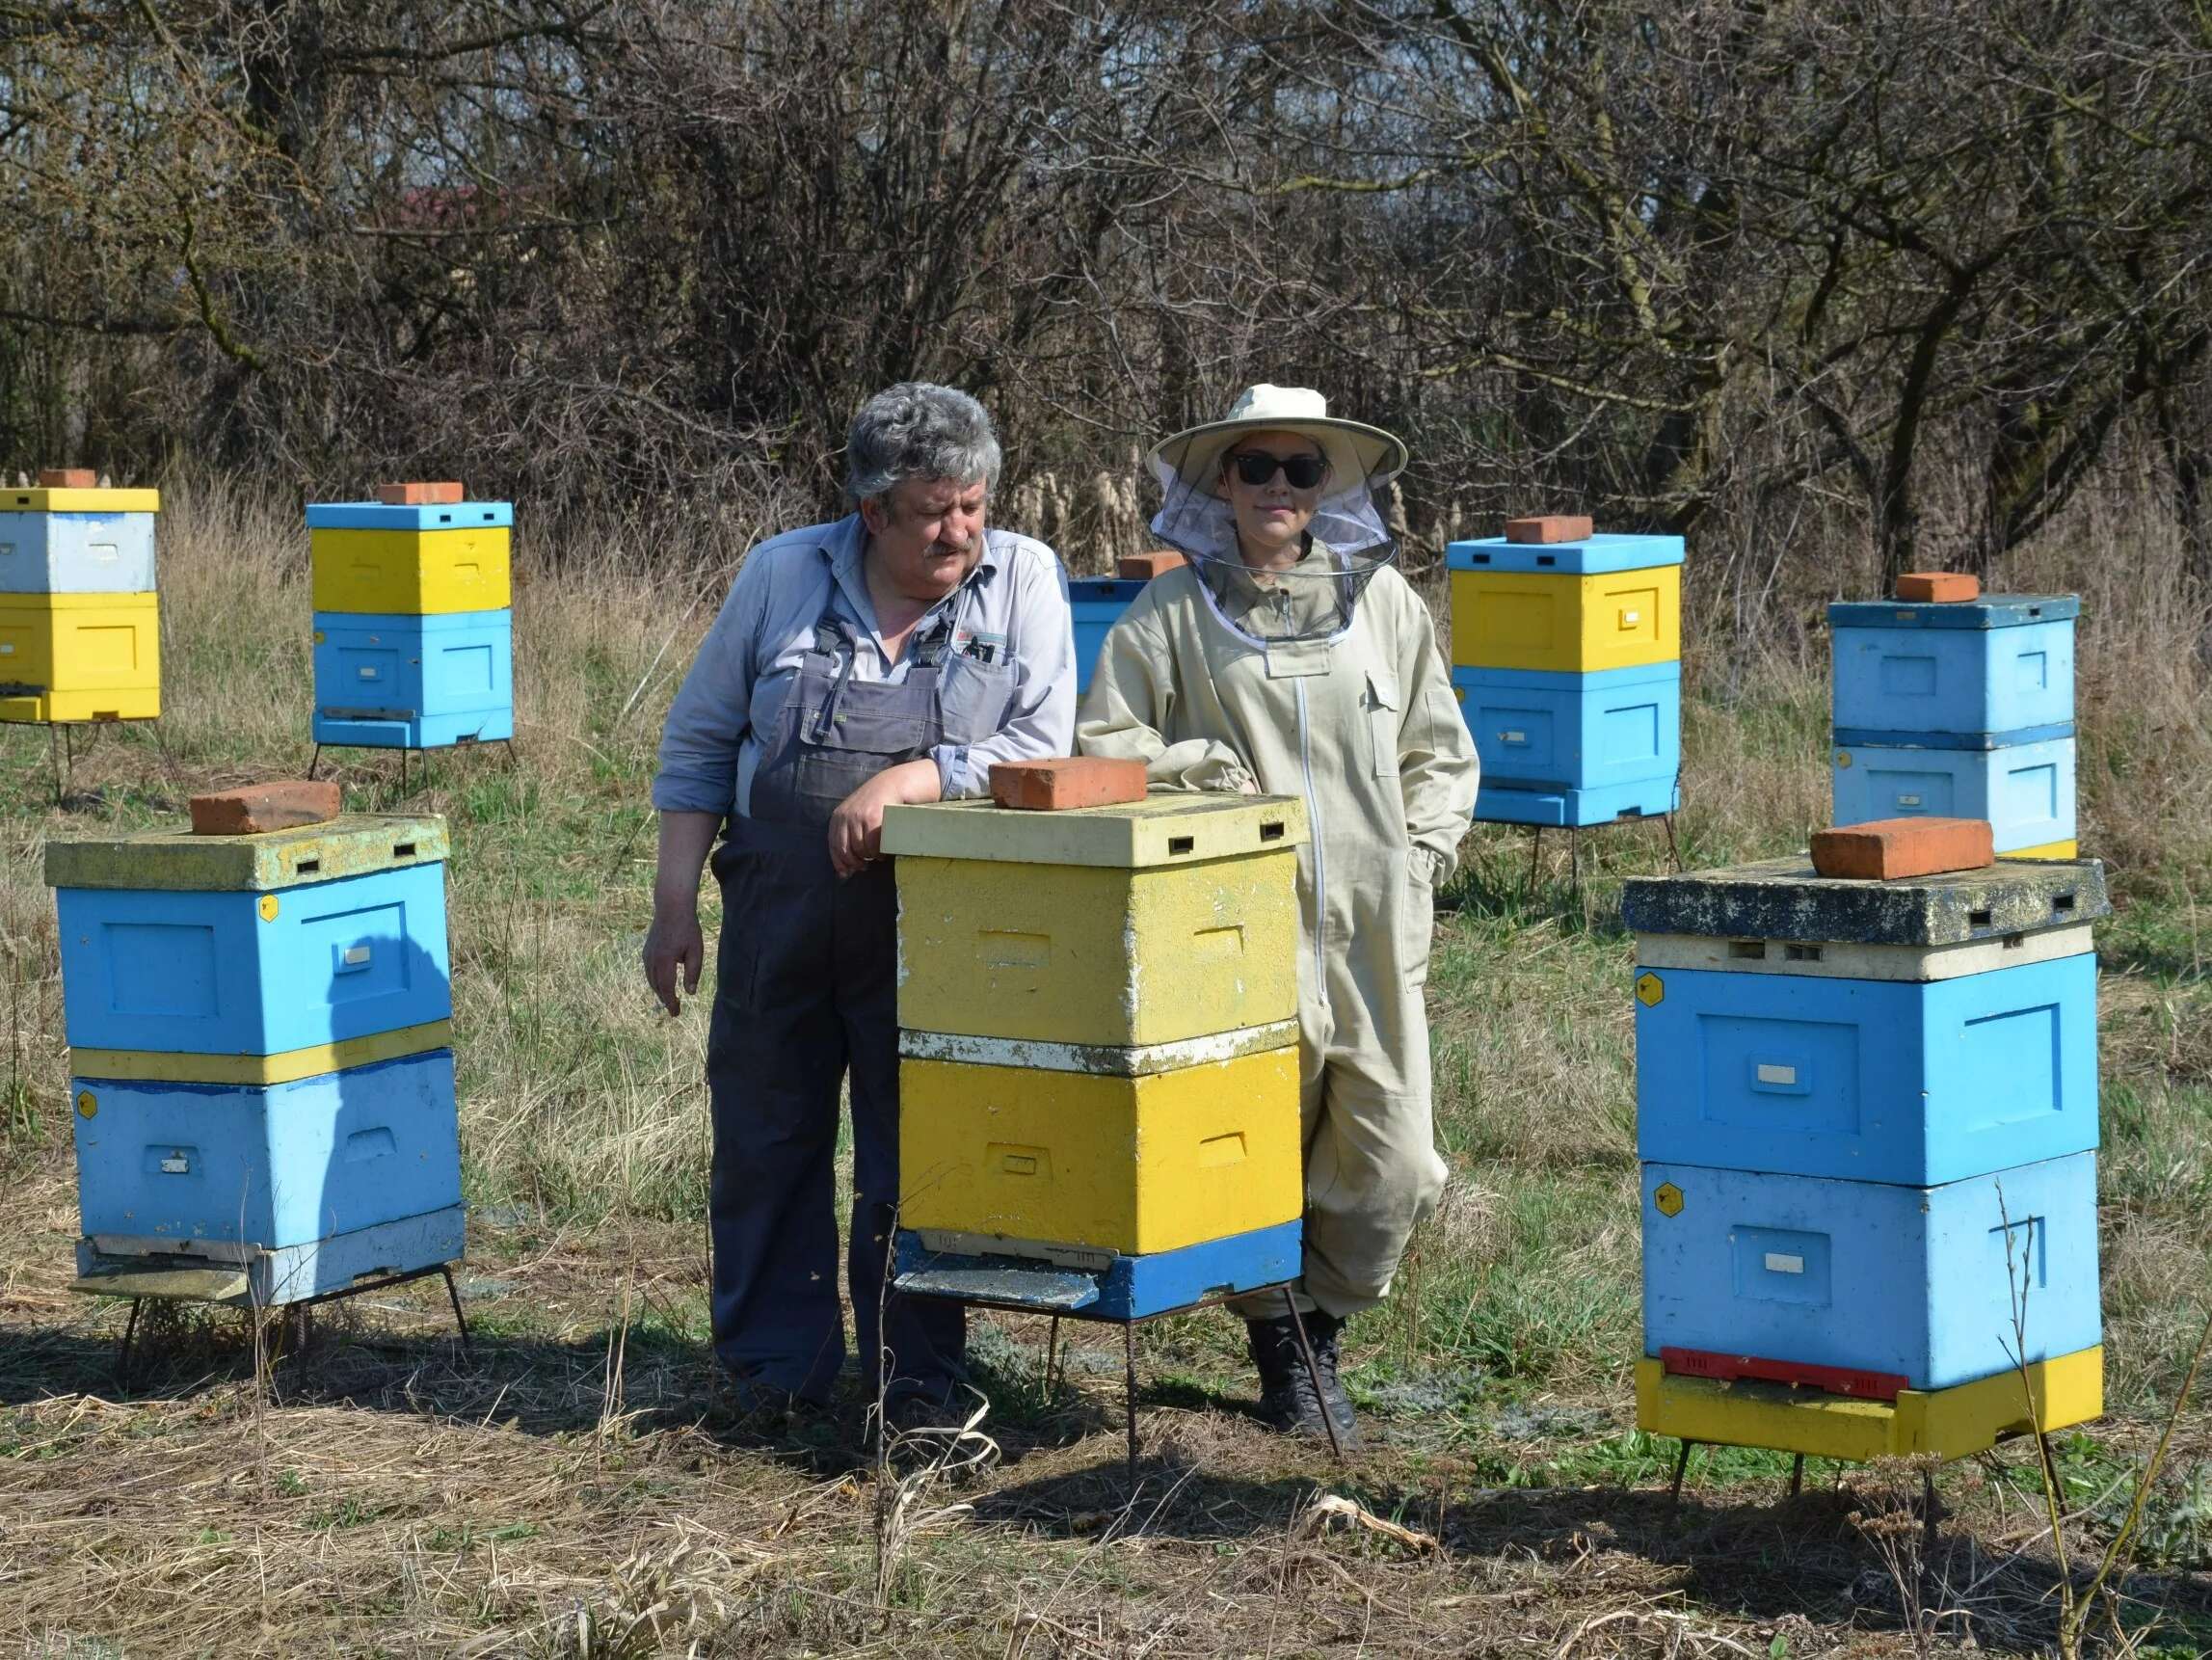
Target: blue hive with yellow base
x,y
1867,1115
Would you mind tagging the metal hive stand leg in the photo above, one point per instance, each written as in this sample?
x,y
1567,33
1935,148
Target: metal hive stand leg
x,y
315,761
1052,1357
1128,1361
1313,1372
1797,1475
460,1320
122,1350
1681,1467
1536,852
1673,847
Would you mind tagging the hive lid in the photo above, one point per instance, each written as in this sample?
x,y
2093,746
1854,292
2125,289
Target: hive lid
x,y
1788,900
1179,827
1599,556
1991,611
352,844
56,498
435,516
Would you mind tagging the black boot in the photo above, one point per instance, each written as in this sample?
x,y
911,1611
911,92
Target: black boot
x,y
1288,1400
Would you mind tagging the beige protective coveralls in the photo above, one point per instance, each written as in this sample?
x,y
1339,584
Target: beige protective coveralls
x,y
1364,730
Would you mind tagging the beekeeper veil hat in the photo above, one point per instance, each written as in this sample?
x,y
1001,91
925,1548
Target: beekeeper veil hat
x,y
1315,597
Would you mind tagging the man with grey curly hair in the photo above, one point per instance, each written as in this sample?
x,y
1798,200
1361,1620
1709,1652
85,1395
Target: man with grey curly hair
x,y
889,656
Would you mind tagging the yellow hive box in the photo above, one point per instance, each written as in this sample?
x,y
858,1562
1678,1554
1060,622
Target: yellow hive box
x,y
1171,918
413,572
1951,1423
45,499
1572,624
170,1066
79,657
1039,1153
2048,850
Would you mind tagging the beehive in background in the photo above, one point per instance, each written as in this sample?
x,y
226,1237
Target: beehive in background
x,y
80,636
1098,1071
413,628
260,1053
1962,710
1866,1113
1567,659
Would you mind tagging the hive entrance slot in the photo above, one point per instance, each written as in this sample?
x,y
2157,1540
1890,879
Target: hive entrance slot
x,y
2061,902
403,849
1181,845
1272,832
306,867
1980,918
1547,559
1802,953
1756,950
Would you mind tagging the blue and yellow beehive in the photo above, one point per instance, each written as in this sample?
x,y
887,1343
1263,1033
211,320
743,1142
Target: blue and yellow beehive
x,y
1867,1115
1567,659
413,630
1099,1073
1958,709
260,1054
80,635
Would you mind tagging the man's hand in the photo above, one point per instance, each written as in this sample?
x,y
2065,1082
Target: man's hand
x,y
856,827
674,943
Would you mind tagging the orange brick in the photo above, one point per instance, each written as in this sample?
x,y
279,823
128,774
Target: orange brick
x,y
1144,566
281,804
1550,527
418,495
1888,850
68,478
1066,781
1938,587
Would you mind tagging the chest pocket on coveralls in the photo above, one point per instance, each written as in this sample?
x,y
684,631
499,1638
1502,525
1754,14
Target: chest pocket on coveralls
x,y
1384,714
973,697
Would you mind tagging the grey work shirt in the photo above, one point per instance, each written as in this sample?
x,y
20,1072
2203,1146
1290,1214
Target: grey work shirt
x,y
1011,607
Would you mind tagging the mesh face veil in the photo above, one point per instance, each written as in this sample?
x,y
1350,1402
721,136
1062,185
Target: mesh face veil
x,y
1309,600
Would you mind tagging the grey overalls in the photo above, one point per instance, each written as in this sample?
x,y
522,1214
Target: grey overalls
x,y
806,989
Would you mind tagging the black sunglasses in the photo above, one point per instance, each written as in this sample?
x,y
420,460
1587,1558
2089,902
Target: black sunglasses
x,y
1301,471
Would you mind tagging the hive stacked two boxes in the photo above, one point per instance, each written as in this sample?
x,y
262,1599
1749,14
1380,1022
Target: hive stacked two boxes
x,y
1567,659
260,1053
1098,1071
1867,1115
79,618
1962,709
413,633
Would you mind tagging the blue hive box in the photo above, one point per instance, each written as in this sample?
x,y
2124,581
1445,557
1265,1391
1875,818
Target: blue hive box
x,y
1976,674
1542,729
252,945
2025,791
273,1167
377,516
1597,555
76,553
1905,1281
1102,1285
1878,1081
399,681
1097,603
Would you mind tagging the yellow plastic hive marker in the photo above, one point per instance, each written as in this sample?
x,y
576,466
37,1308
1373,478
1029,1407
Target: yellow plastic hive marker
x,y
413,572
164,1066
79,657
1113,1163
1569,623
1951,1423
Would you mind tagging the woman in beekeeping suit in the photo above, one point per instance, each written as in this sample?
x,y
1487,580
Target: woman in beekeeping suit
x,y
1290,657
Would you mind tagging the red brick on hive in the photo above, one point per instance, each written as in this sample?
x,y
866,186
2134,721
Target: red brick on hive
x,y
1889,849
1938,587
418,494
1144,566
68,478
1550,527
281,804
1066,781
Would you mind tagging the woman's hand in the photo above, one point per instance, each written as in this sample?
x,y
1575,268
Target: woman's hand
x,y
856,827
674,943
